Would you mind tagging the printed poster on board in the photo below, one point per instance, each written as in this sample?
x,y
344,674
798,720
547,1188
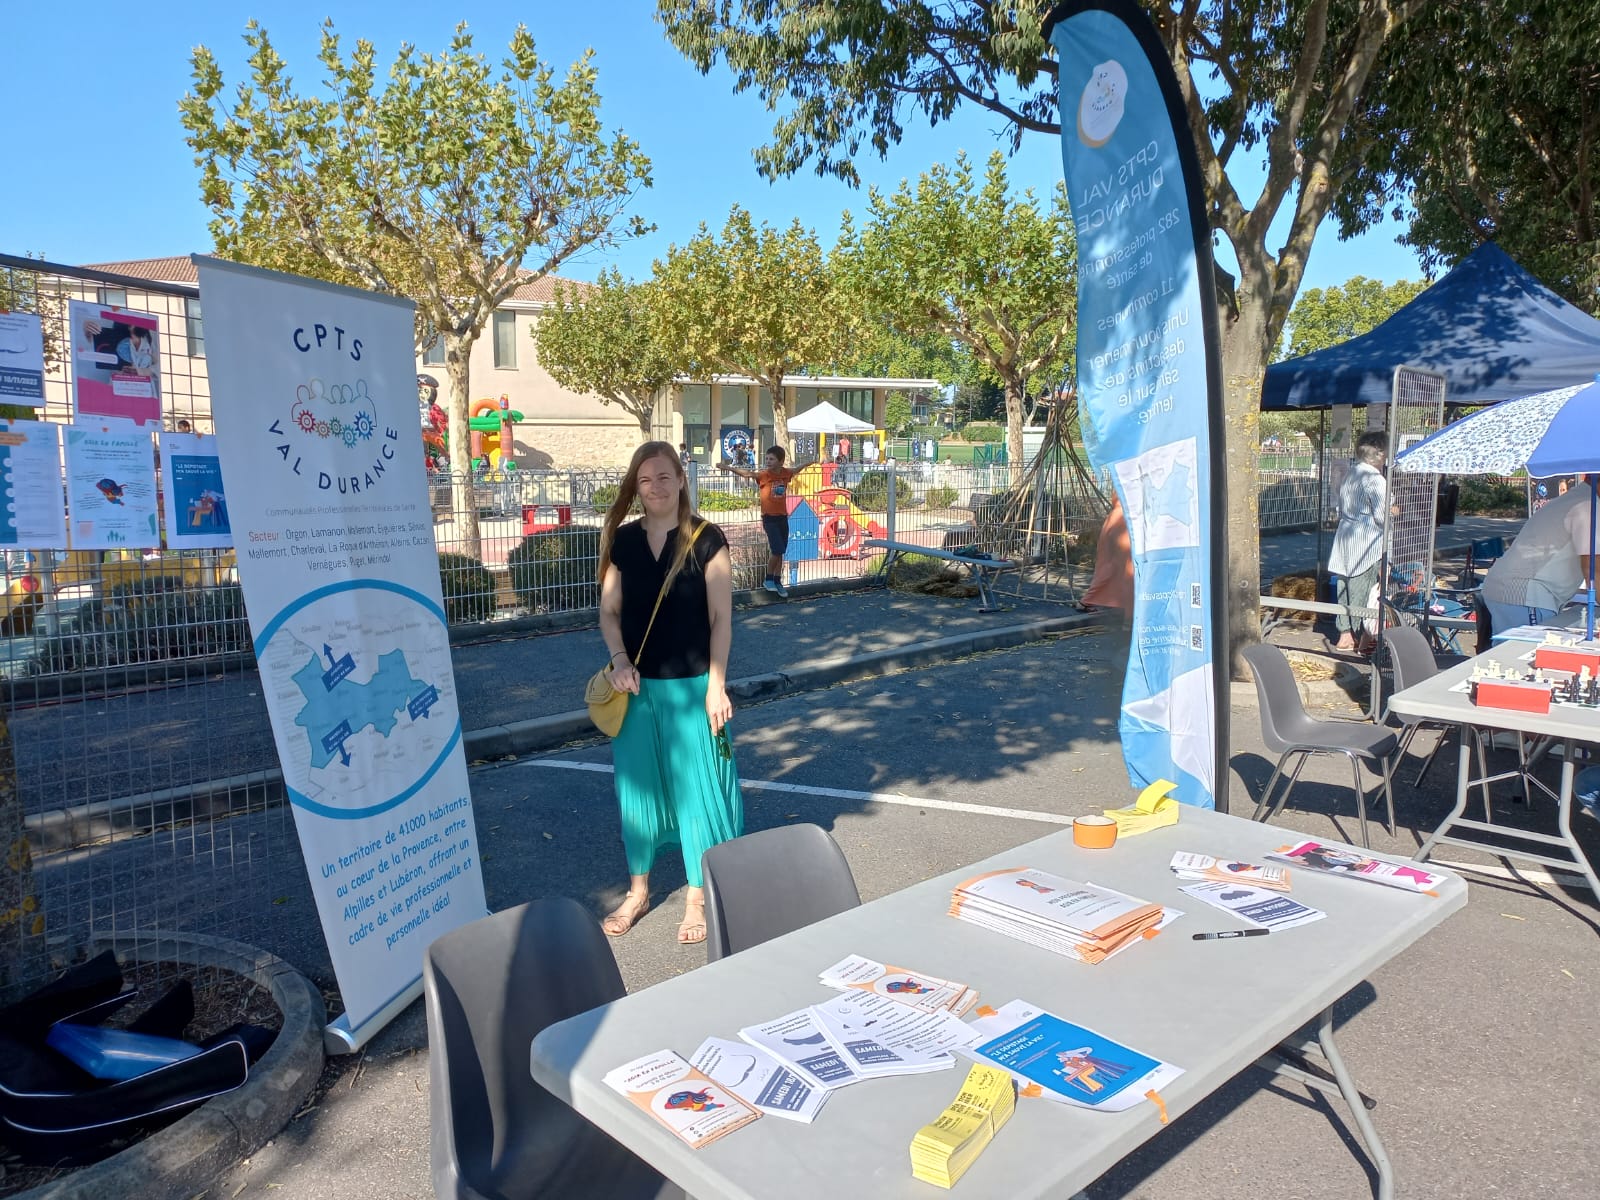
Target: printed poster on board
x,y
111,490
314,395
116,364
21,359
194,502
33,515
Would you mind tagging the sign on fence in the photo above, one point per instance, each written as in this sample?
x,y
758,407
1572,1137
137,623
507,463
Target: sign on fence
x,y
1148,378
314,398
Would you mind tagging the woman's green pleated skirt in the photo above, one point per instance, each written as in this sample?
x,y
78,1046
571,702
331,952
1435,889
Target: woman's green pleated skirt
x,y
674,787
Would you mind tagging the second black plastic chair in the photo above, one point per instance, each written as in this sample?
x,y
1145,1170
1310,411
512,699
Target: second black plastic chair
x,y
1291,732
766,884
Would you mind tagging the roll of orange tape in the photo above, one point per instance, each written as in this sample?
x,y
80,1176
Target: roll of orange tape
x,y
1094,833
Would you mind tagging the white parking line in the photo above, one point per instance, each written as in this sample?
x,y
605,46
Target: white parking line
x,y
767,785
1519,875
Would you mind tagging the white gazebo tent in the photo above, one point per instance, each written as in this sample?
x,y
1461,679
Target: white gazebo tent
x,y
827,421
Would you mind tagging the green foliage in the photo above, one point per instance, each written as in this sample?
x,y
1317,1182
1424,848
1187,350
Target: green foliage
x,y
982,432
601,339
1483,118
604,496
897,419
942,497
555,571
1325,317
20,292
755,302
153,620
872,493
468,588
725,501
958,256
1491,495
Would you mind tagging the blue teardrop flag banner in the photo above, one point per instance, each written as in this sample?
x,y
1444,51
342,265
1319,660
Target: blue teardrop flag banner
x,y
1149,381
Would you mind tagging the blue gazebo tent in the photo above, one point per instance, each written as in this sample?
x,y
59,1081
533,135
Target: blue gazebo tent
x,y
1489,326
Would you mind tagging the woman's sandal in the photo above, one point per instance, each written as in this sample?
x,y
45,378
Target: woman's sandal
x,y
625,915
692,932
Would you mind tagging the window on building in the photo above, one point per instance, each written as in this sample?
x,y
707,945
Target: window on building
x,y
433,353
505,340
734,406
697,404
857,402
114,297
804,399
193,328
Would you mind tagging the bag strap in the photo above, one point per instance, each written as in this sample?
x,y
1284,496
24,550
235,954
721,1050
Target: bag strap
x,y
662,594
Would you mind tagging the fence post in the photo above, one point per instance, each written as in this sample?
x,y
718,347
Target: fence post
x,y
888,516
694,485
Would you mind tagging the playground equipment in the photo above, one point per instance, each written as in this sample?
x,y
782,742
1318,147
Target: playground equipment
x,y
493,440
825,521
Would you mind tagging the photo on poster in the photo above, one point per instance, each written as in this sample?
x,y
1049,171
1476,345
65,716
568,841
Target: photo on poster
x,y
1161,496
21,359
33,514
116,364
111,490
194,504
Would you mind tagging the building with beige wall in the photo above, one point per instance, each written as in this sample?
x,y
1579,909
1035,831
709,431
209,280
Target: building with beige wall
x,y
559,427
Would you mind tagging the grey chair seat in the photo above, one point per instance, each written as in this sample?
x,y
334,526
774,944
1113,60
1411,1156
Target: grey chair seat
x,y
1292,733
763,885
491,986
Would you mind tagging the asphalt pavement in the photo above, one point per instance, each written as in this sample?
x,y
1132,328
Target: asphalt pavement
x,y
1476,1042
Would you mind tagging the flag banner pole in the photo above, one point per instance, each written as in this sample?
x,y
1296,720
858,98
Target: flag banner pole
x,y
1150,381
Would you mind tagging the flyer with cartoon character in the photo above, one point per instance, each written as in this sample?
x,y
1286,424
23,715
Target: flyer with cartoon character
x,y
695,1108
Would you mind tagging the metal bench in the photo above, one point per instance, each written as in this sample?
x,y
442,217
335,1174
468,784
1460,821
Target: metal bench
x,y
984,571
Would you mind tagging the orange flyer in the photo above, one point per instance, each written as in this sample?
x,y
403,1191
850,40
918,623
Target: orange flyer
x,y
695,1108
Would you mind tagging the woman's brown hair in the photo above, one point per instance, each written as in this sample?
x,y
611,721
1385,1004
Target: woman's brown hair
x,y
628,492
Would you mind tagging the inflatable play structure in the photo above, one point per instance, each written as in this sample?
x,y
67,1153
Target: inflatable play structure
x,y
492,423
824,521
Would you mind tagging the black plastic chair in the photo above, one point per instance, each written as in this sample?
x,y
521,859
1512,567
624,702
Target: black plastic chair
x,y
1291,732
491,986
766,884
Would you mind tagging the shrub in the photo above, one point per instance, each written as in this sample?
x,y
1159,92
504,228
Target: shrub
x,y
942,497
725,501
983,432
1491,494
604,496
555,571
159,618
468,588
872,493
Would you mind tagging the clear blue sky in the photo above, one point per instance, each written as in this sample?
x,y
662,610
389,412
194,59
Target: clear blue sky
x,y
98,170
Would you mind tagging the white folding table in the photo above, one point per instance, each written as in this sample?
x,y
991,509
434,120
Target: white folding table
x,y
1211,1007
1570,725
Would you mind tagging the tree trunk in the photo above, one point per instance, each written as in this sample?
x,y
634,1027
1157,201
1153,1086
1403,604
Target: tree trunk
x,y
1244,355
780,418
463,503
22,925
1015,401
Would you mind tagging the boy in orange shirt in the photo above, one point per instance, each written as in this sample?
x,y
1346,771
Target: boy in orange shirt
x,y
774,484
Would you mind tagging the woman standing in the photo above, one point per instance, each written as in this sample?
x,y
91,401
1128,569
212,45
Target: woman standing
x,y
675,775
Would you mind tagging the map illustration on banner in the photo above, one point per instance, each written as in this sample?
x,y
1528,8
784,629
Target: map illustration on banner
x,y
116,364
1149,387
368,733
314,396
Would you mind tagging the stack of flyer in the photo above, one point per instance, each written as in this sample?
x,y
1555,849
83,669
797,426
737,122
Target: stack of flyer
x,y
942,1152
1341,860
857,1036
1067,1063
682,1098
1079,920
919,990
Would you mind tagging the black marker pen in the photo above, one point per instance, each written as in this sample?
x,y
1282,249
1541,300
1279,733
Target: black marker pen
x,y
1231,933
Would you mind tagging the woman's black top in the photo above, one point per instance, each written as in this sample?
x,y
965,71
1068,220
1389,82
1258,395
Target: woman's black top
x,y
680,644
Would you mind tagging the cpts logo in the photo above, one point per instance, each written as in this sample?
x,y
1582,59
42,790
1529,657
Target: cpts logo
x,y
331,431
